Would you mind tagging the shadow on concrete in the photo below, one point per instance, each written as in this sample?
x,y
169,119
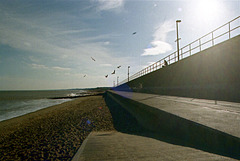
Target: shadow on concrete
x,y
124,122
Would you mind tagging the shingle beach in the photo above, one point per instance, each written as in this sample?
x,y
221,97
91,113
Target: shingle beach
x,y
54,133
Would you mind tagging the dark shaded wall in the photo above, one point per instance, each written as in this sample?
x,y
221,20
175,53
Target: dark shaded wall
x,y
213,73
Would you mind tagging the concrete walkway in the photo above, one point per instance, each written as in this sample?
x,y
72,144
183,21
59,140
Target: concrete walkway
x,y
220,115
110,146
198,119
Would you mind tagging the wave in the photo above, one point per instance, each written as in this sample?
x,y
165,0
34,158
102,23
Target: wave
x,y
13,109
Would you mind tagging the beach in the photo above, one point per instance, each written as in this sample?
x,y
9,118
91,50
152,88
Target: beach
x,y
56,132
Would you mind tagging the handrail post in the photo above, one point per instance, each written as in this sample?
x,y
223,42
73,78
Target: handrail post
x,y
212,39
190,49
200,44
175,56
128,73
181,53
229,30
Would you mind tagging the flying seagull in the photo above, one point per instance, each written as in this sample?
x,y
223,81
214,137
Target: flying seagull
x,y
119,66
106,76
113,72
93,59
134,33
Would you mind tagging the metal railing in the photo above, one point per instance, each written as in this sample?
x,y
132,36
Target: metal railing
x,y
192,48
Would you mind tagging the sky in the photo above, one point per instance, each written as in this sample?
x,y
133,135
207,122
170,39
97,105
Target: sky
x,y
48,44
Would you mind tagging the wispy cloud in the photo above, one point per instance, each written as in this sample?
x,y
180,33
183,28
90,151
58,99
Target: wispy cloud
x,y
106,65
159,44
39,66
61,68
109,4
56,68
106,43
69,32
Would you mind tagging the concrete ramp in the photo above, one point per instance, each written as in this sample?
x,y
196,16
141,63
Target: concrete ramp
x,y
212,126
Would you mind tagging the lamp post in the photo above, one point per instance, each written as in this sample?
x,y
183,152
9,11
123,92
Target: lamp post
x,y
178,21
128,73
117,80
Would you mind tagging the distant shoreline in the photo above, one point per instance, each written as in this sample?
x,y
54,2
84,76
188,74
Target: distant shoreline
x,y
83,95
34,90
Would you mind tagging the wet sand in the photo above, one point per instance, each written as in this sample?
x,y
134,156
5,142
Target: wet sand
x,y
54,133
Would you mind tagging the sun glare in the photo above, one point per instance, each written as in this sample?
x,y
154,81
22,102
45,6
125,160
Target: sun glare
x,y
206,14
207,9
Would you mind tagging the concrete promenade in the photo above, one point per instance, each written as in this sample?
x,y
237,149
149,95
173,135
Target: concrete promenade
x,y
178,128
220,115
109,146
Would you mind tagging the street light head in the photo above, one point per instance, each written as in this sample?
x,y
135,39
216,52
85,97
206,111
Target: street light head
x,y
178,21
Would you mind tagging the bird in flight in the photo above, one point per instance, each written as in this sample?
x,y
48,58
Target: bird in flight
x,y
113,72
84,75
134,33
93,59
119,66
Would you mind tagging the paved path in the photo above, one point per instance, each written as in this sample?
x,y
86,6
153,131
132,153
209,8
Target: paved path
x,y
219,115
110,146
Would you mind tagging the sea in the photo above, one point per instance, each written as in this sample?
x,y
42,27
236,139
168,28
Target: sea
x,y
18,103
